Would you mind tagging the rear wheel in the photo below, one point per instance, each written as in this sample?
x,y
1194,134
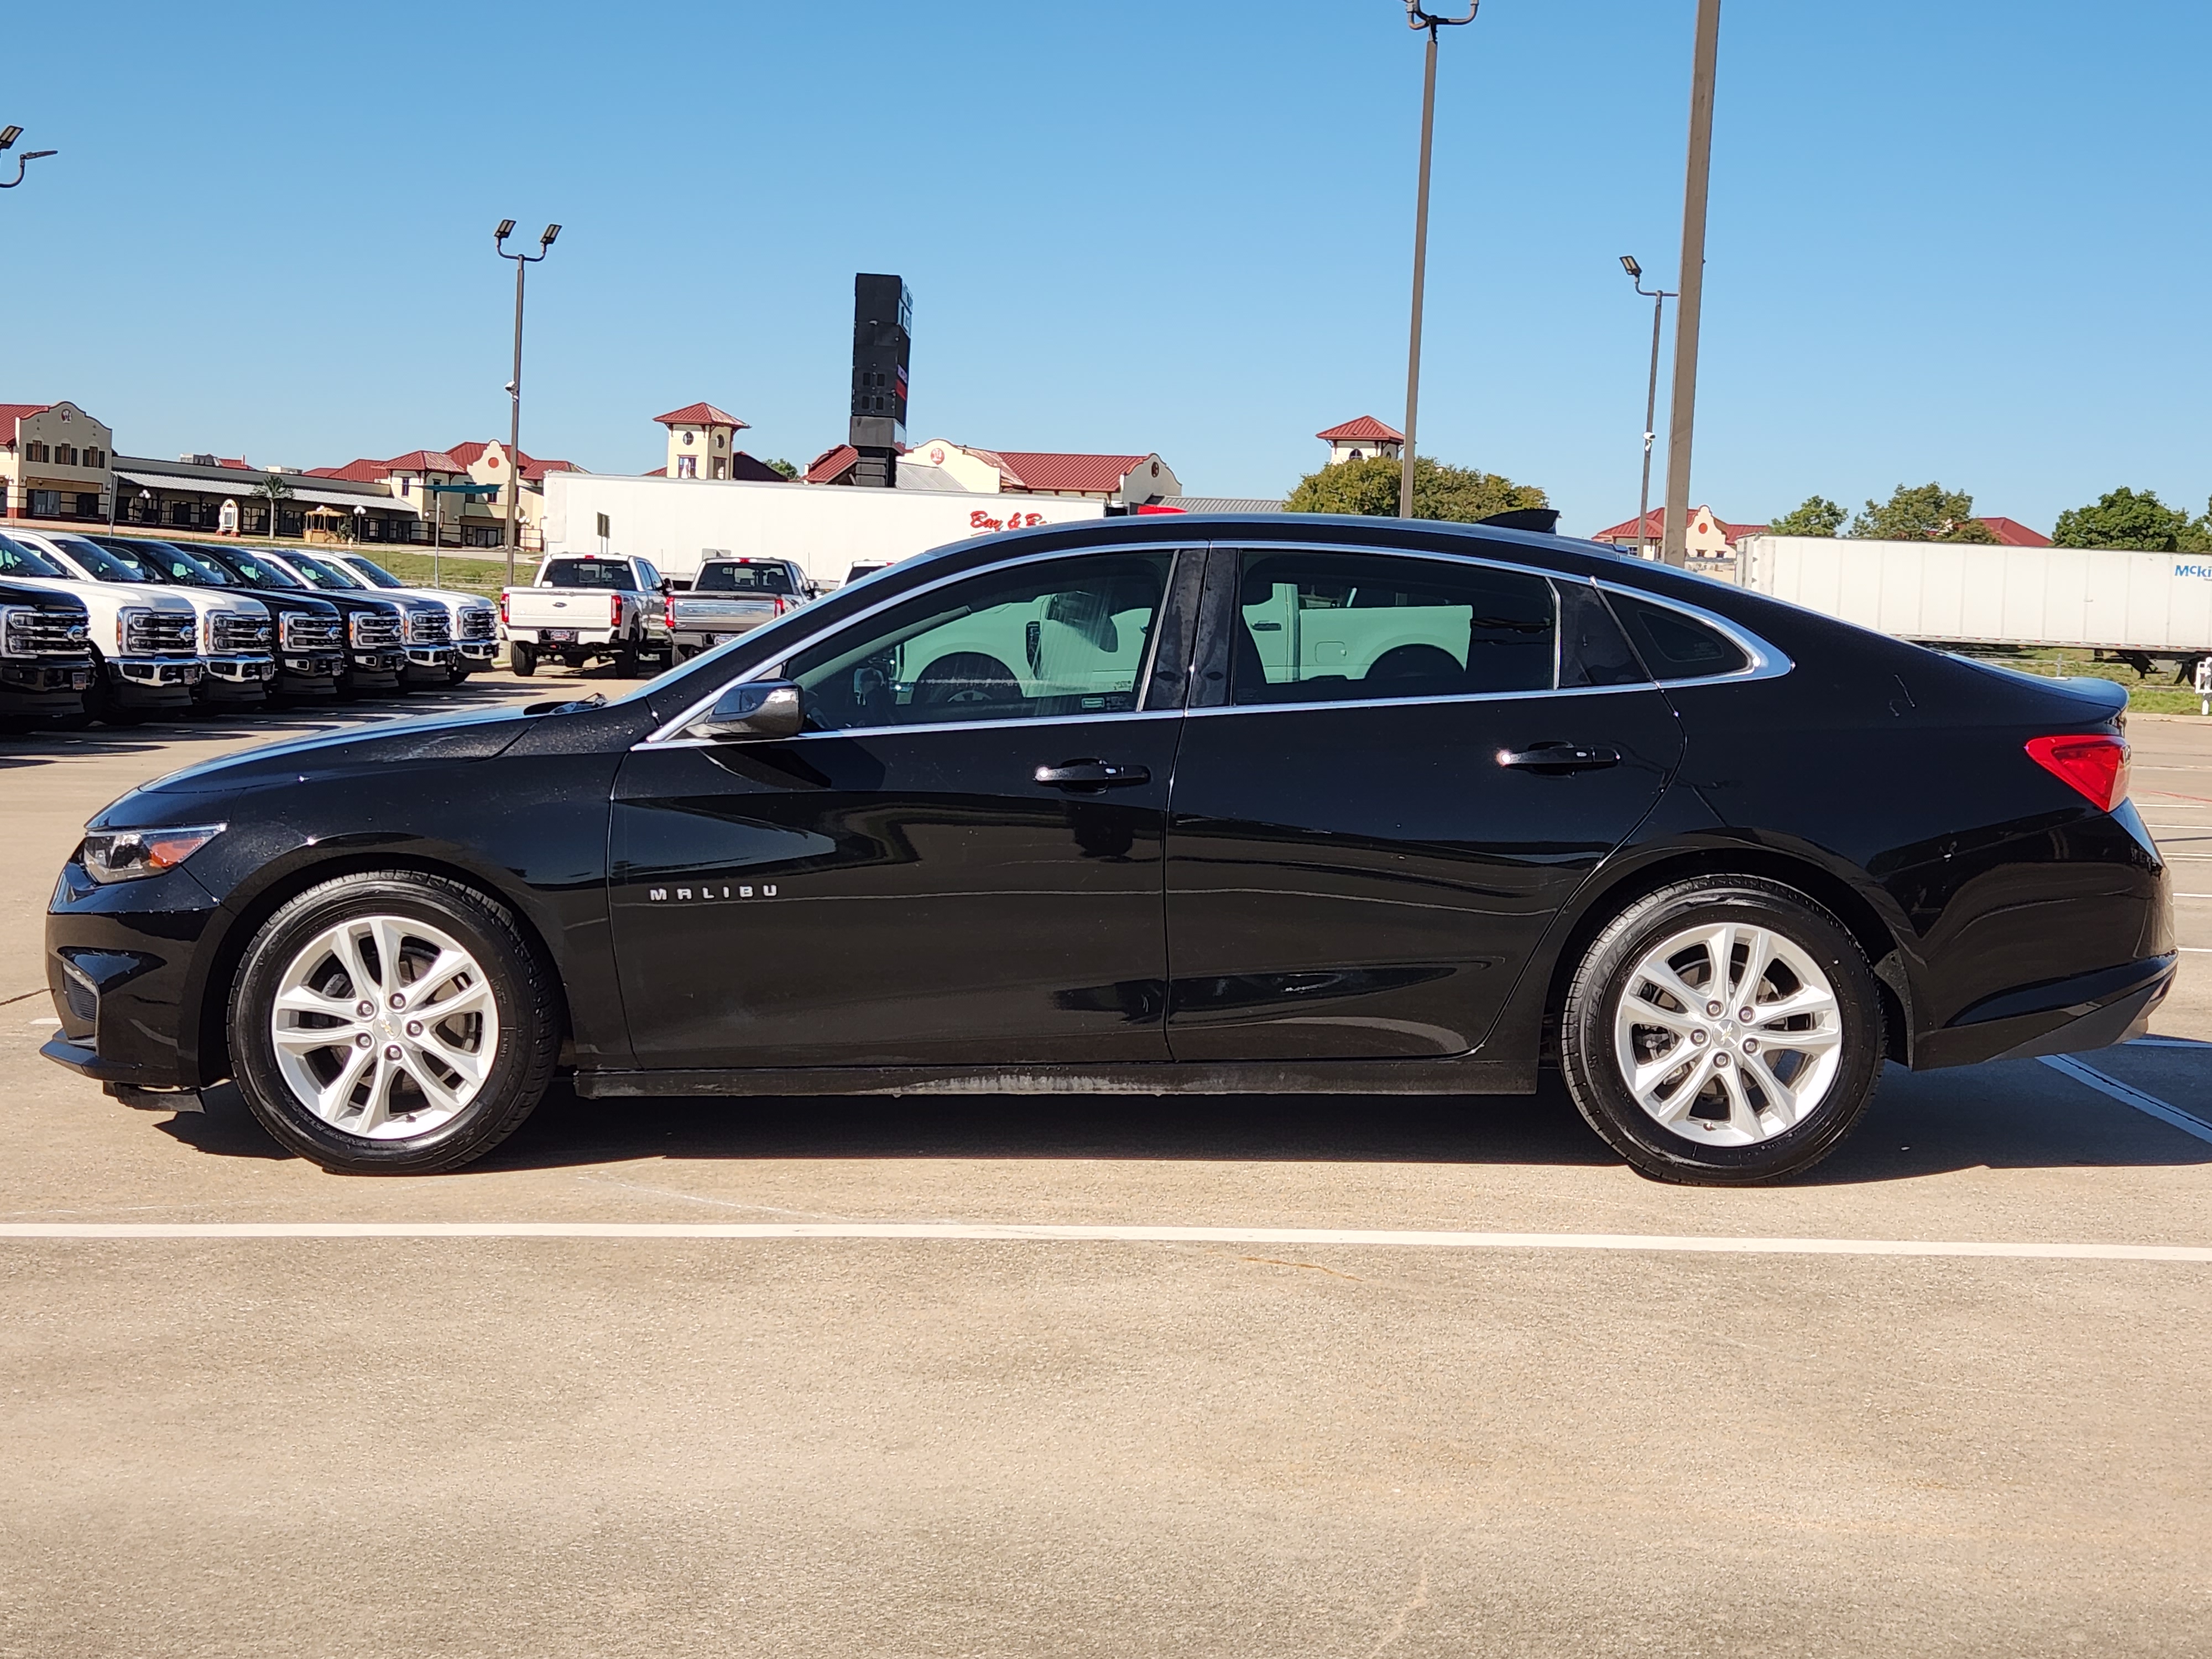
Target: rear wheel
x,y
626,660
522,658
393,1023
1723,1031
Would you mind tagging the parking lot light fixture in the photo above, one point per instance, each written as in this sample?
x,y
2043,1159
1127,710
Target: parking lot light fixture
x,y
8,136
510,533
1658,298
1419,18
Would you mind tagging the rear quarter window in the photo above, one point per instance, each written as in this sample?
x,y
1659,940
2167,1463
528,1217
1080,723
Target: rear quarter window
x,y
1674,647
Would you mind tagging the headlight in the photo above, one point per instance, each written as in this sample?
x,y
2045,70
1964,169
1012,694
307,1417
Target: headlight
x,y
15,627
355,625
131,625
131,855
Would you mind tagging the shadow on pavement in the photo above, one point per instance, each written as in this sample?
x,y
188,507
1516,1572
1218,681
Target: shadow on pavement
x,y
2014,1115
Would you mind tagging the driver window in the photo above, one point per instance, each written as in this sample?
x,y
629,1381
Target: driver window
x,y
1042,642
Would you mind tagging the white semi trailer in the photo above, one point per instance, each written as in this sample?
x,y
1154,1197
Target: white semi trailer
x,y
678,523
2140,607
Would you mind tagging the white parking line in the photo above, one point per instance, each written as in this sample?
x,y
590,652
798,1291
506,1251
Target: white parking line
x,y
992,1232
2150,1105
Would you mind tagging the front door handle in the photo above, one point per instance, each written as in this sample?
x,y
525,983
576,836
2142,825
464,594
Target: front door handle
x,y
1559,757
1093,775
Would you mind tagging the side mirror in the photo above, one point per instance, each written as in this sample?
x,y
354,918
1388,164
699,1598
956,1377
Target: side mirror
x,y
756,711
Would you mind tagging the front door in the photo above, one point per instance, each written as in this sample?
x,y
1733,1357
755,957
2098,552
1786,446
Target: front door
x,y
1410,765
958,862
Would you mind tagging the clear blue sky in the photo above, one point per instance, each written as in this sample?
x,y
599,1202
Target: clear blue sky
x,y
1962,239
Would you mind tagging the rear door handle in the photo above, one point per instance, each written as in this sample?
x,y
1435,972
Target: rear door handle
x,y
1093,775
1559,757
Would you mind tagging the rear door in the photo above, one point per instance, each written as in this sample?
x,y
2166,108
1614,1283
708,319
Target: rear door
x,y
1401,769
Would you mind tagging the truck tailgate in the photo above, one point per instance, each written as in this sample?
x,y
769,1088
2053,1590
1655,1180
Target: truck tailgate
x,y
722,613
562,607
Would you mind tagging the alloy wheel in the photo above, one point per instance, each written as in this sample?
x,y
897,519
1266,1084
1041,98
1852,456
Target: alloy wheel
x,y
385,1026
1728,1033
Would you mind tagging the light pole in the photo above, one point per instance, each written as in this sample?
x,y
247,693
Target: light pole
x,y
1658,297
1416,18
1682,412
522,261
8,138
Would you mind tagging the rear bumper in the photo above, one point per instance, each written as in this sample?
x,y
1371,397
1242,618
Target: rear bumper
x,y
2063,1017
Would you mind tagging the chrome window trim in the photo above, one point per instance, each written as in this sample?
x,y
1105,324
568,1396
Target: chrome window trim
x,y
934,726
1767,662
667,734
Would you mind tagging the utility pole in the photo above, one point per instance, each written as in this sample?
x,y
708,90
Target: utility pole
x,y
1681,419
509,532
1658,297
1418,18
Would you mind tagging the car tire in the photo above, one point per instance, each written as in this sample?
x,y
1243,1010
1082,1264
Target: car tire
x,y
1749,1100
522,658
103,699
626,661
391,1093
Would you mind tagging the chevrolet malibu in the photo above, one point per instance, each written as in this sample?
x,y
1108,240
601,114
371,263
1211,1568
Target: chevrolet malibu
x,y
1154,806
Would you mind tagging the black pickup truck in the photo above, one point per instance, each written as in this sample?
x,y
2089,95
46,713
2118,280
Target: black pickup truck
x,y
45,654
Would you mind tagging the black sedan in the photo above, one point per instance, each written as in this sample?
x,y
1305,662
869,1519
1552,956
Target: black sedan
x,y
1156,806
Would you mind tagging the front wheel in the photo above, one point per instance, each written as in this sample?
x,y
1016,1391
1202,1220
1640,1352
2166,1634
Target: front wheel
x,y
1723,1031
393,1023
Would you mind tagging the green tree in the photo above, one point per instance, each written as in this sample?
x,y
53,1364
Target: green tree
x,y
780,464
1924,512
2123,518
1817,516
278,491
1461,495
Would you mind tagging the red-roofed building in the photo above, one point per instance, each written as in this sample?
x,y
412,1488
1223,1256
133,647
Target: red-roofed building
x,y
54,462
2011,532
1363,439
1709,536
702,442
833,465
1122,480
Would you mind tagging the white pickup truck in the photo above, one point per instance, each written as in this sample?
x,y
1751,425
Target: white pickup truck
x,y
584,607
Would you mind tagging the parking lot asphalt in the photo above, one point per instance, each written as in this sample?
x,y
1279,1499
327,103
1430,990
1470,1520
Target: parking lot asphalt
x,y
790,1377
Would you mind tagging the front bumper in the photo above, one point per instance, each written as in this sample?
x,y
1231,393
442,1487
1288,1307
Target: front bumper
x,y
2063,1017
118,961
35,677
157,680
431,663
478,653
241,670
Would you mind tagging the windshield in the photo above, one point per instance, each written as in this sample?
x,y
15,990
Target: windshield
x,y
743,578
375,575
17,559
316,573
166,564
249,568
586,572
104,566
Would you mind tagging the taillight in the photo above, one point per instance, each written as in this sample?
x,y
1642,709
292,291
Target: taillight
x,y
782,605
613,610
668,609
2096,766
502,610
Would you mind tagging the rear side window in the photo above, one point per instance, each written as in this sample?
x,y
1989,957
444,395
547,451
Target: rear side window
x,y
1353,627
1675,646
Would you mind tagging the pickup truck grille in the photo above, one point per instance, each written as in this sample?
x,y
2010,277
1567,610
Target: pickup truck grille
x,y
311,633
230,633
159,634
480,622
370,629
45,633
429,628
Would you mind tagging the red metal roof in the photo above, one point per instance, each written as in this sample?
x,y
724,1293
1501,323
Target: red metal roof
x,y
698,415
831,464
2011,532
1042,469
11,413
356,471
1366,427
423,460
1654,527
